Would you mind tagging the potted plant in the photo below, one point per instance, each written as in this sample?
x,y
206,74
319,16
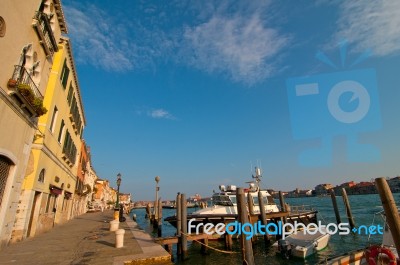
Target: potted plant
x,y
38,106
12,83
26,91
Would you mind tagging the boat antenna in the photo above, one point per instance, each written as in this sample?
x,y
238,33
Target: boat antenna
x,y
258,176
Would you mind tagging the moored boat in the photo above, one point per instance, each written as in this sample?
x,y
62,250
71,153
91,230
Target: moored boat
x,y
302,244
224,208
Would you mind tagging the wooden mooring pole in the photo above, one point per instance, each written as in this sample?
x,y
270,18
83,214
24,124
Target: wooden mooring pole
x,y
335,206
247,248
155,214
263,215
228,240
159,221
348,209
283,205
282,202
184,226
391,212
250,203
178,223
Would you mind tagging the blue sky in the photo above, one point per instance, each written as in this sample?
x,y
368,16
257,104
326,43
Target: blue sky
x,y
198,92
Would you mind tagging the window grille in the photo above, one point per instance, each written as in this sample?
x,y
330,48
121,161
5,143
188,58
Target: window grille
x,y
5,165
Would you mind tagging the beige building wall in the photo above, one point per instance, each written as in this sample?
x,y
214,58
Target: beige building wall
x,y
20,45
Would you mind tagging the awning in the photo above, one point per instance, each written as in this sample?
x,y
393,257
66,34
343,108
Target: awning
x,y
67,195
55,190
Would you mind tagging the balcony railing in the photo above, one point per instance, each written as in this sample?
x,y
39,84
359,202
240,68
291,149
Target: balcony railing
x,y
42,25
22,76
25,92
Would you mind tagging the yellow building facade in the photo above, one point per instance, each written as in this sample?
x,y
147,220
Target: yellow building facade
x,y
29,34
48,188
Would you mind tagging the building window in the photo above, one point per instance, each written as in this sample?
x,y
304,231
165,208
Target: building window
x,y
61,133
69,148
53,119
70,94
41,175
5,165
64,74
74,110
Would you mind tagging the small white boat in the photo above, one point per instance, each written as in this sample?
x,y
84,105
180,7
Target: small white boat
x,y
302,243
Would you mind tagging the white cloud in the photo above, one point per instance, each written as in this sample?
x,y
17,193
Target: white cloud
x,y
97,41
374,25
219,37
160,114
241,47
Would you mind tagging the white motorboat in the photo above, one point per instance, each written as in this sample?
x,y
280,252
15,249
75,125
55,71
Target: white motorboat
x,y
302,244
224,201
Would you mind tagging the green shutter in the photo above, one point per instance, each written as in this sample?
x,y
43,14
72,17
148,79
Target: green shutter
x,y
65,77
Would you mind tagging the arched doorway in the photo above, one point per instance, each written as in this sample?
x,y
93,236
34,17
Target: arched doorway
x,y
5,166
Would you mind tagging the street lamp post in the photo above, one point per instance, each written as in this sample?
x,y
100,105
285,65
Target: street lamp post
x,y
116,210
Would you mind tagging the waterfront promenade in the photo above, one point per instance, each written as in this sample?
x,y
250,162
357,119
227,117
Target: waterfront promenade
x,y
86,240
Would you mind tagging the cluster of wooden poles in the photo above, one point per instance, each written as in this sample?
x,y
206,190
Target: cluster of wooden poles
x,y
182,237
243,217
156,216
347,207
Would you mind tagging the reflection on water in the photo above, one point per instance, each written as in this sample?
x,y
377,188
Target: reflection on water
x,y
363,207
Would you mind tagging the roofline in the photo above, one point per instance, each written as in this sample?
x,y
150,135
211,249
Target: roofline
x,y
60,16
69,47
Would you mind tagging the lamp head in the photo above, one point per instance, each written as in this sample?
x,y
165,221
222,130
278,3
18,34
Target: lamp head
x,y
157,179
119,179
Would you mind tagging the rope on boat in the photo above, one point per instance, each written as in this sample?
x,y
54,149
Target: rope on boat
x,y
216,249
373,221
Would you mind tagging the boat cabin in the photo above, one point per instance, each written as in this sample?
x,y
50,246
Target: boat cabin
x,y
227,196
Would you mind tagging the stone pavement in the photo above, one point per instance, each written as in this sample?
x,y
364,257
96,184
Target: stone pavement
x,y
86,240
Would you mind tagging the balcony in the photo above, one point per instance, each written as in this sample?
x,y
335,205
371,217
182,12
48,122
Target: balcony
x,y
41,23
25,92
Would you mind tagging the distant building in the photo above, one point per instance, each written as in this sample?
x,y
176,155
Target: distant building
x,y
104,194
90,180
394,184
363,188
124,198
82,190
323,189
297,193
347,186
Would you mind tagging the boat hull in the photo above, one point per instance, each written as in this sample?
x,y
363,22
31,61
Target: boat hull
x,y
356,257
302,245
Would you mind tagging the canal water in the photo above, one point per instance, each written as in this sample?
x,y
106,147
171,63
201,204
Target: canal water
x,y
364,208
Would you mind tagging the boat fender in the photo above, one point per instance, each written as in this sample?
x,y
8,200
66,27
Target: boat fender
x,y
315,244
373,252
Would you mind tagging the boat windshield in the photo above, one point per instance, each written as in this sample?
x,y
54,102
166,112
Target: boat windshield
x,y
223,200
267,200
